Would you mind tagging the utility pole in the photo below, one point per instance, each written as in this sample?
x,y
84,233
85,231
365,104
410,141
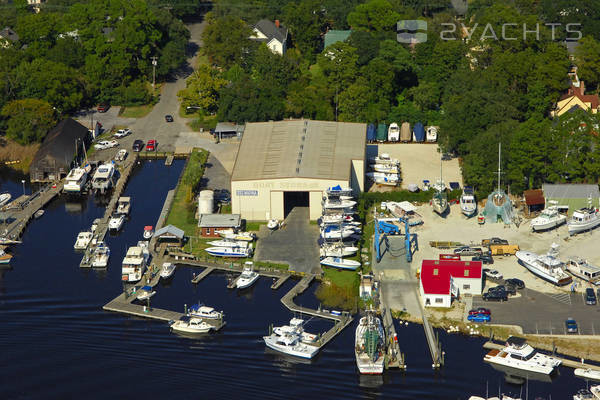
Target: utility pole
x,y
154,62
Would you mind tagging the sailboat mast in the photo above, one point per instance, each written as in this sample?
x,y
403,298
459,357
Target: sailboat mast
x,y
499,153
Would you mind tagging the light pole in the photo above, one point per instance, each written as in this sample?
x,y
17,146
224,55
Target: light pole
x,y
154,62
23,182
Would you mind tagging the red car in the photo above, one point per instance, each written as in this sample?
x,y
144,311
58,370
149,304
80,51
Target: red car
x,y
103,107
151,145
480,311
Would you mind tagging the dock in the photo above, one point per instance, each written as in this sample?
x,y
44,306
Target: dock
x,y
435,347
169,160
277,284
202,275
395,358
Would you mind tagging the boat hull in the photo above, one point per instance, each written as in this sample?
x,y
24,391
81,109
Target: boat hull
x,y
244,283
468,211
578,228
226,252
302,351
545,226
526,260
340,263
369,368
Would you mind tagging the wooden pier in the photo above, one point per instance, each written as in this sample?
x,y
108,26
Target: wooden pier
x,y
202,275
435,347
395,358
277,284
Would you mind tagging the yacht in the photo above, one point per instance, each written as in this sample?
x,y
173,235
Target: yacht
x,y
296,326
83,240
190,325
202,311
124,205
167,270
580,268
369,345
290,342
549,218
116,221
134,264
75,181
468,205
229,251
587,373
546,266
104,178
583,219
101,255
519,355
248,277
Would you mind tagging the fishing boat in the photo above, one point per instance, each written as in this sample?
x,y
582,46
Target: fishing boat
x,y
296,326
549,218
148,232
134,264
75,181
124,205
386,168
520,355
587,373
5,257
248,277
144,293
369,344
384,158
334,232
228,243
104,178
101,255
546,266
290,342
190,325
116,221
229,251
338,262
83,240
580,268
233,235
468,205
5,198
273,224
167,270
583,219
337,250
202,311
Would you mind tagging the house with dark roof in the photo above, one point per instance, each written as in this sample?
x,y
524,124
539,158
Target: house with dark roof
x,y
273,34
442,280
61,149
8,37
575,99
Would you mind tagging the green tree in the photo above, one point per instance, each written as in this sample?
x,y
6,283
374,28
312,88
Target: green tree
x,y
338,63
306,21
588,61
202,89
28,120
226,40
374,15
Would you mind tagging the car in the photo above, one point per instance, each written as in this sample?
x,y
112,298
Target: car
x,y
571,325
479,318
446,157
480,310
138,145
468,251
103,107
121,133
517,283
105,144
222,196
484,258
499,295
494,240
169,118
590,297
492,274
509,289
151,145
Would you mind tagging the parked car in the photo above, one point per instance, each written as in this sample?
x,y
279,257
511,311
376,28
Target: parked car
x,y
517,283
138,145
509,289
499,295
468,251
590,297
103,107
222,196
571,325
169,118
479,318
484,258
105,144
492,274
121,133
151,145
480,310
494,240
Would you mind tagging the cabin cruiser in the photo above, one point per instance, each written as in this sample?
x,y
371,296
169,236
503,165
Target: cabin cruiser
x,y
583,219
83,240
202,311
580,268
100,256
116,221
75,181
248,277
167,270
145,293
296,326
290,342
468,205
134,264
104,178
190,325
520,355
549,218
124,205
546,266
369,344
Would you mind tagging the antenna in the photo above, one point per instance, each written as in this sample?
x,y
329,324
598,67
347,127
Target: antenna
x,y
499,170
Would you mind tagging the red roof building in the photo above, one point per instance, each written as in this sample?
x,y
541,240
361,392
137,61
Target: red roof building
x,y
441,280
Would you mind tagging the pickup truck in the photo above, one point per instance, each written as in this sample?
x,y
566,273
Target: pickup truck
x,y
468,251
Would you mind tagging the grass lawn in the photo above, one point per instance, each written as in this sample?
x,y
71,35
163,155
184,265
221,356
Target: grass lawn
x,y
136,111
338,288
254,225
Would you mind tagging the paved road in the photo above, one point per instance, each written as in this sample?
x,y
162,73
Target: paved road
x,y
215,175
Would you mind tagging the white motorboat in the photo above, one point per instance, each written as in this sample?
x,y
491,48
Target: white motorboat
x,y
124,205
384,158
75,180
104,178
468,205
439,202
580,268
191,325
228,243
546,266
333,232
167,270
39,213
334,204
369,344
202,311
339,191
338,262
5,198
83,240
381,178
587,373
95,224
148,232
144,293
583,220
229,251
247,278
520,355
134,264
393,132
290,342
335,219
121,155
386,168
233,235
100,256
116,221
5,257
337,250
273,224
296,326
549,218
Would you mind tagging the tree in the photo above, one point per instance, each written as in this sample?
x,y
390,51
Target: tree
x,y
338,64
202,89
226,40
374,15
588,60
366,45
28,120
248,101
306,22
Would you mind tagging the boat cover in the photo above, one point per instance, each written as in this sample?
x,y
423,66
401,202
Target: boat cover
x,y
419,132
371,133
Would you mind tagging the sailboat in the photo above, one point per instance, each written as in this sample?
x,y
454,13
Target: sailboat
x,y
468,205
439,202
498,205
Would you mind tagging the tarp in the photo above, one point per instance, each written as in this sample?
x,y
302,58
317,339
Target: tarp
x,y
405,135
371,133
419,132
381,132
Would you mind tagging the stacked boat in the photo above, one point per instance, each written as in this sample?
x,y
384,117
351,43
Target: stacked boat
x,y
232,244
385,170
339,231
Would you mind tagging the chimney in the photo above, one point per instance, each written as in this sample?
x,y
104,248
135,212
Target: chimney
x,y
581,87
277,23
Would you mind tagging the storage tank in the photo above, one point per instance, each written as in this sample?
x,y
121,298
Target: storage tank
x,y
418,132
382,132
371,133
405,134
206,202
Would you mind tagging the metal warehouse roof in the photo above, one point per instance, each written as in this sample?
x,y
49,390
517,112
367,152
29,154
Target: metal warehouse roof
x,y
299,149
570,191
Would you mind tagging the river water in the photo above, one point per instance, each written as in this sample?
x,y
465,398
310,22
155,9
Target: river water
x,y
56,342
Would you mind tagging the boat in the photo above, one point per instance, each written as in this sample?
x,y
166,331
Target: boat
x,y
580,268
334,232
546,266
369,344
337,250
202,311
339,191
549,218
439,185
412,187
233,235
124,205
584,394
273,224
296,326
386,168
5,198
381,178
190,325
519,355
144,293
167,270
229,251
83,240
338,262
5,257
290,343
134,264
384,158
95,224
75,181
334,204
393,132
587,373
121,155
468,205
228,243
104,177
100,255
116,221
335,219
38,213
439,202
583,219
248,277
595,391
148,232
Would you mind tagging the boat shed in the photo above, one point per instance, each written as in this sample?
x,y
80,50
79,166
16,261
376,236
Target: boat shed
x,y
170,234
442,280
61,149
210,223
285,164
573,195
228,129
534,199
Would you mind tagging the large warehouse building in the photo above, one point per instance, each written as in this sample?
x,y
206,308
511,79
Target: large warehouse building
x,y
284,164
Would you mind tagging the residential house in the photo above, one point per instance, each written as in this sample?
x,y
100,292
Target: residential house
x,y
575,98
273,34
442,280
8,37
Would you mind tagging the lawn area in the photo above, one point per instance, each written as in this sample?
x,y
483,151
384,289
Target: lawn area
x,y
254,226
136,111
338,289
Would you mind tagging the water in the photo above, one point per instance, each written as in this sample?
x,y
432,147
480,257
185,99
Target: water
x,y
56,342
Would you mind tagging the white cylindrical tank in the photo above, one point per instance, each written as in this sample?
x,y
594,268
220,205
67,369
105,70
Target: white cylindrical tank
x,y
206,202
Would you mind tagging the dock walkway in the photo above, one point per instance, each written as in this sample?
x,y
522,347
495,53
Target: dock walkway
x,y
395,358
437,356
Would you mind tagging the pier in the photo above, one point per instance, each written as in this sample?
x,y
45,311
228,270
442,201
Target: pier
x,y
395,358
435,347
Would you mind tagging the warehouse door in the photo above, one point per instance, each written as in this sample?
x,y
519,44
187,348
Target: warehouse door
x,y
294,199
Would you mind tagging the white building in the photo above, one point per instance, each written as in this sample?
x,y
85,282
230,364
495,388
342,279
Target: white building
x,y
291,163
442,280
273,34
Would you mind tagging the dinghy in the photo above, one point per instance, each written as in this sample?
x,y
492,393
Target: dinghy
x,y
273,224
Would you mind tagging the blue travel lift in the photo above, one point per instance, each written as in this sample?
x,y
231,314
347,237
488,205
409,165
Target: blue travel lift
x,y
383,229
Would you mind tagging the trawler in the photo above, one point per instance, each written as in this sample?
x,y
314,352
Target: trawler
x,y
75,181
583,219
369,348
549,218
104,178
